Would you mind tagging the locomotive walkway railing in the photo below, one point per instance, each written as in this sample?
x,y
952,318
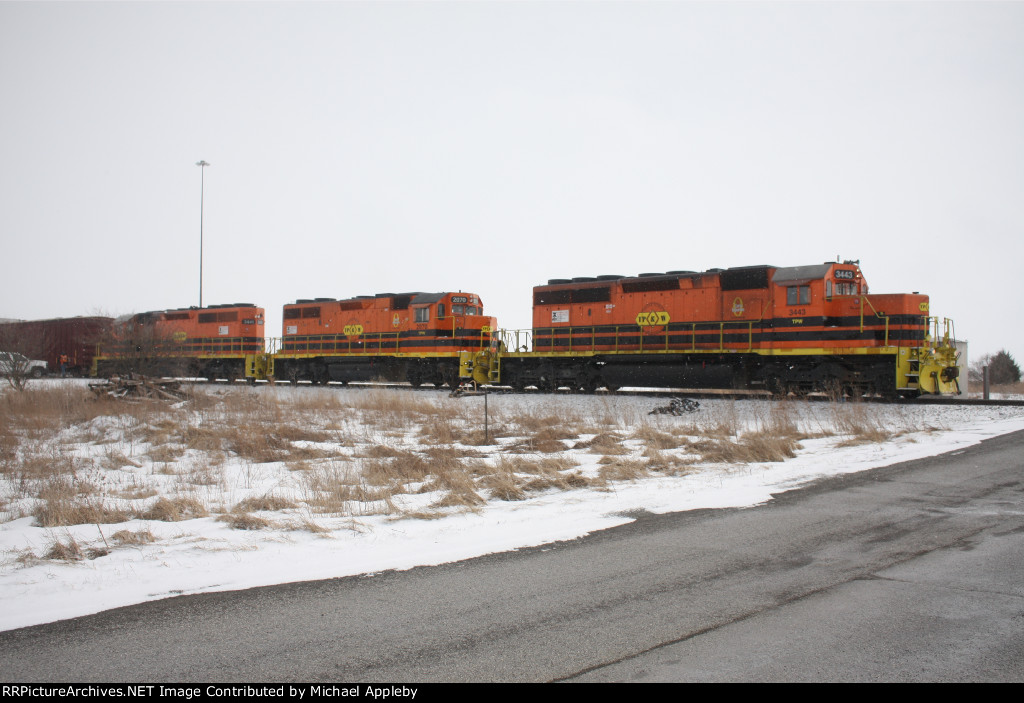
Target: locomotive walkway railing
x,y
692,336
375,342
207,346
365,342
864,299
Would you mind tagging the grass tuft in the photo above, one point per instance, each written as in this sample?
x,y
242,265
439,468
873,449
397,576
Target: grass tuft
x,y
267,503
64,550
175,509
127,538
244,521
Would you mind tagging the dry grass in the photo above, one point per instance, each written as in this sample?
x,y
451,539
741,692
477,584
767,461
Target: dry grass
x,y
113,459
267,503
308,525
165,453
244,521
619,469
978,389
859,424
57,513
66,549
466,499
670,464
658,439
175,509
338,489
751,448
379,452
605,443
397,471
127,538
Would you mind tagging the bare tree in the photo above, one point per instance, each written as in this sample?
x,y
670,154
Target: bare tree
x,y
19,352
132,347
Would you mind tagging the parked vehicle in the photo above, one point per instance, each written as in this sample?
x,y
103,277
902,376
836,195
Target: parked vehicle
x,y
15,364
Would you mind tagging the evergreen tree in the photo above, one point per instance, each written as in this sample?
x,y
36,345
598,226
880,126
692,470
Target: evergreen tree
x,y
1003,369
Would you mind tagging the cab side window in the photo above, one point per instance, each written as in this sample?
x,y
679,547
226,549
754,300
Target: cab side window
x,y
422,314
798,295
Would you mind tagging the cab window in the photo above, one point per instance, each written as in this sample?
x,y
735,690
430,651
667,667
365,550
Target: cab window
x,y
440,311
422,314
458,309
798,295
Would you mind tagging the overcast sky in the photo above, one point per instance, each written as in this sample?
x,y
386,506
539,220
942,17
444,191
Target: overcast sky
x,y
366,147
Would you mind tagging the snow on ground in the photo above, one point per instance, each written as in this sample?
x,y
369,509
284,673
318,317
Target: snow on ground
x,y
204,554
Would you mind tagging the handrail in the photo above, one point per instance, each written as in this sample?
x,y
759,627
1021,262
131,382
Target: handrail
x,y
190,347
864,299
569,338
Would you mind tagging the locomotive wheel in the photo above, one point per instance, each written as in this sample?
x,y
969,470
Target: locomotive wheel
x,y
777,387
546,385
450,377
586,383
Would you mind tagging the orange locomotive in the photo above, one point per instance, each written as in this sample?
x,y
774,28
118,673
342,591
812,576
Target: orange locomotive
x,y
803,328
414,337
220,341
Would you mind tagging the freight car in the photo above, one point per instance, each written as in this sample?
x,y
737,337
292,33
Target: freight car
x,y
781,329
73,337
216,342
414,337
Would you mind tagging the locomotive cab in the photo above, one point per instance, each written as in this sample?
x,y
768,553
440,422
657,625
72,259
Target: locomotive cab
x,y
457,312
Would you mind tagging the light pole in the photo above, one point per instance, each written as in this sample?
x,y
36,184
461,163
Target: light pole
x,y
202,188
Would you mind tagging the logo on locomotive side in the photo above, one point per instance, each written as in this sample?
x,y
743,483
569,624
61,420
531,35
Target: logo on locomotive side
x,y
180,336
352,330
923,307
737,307
395,322
655,318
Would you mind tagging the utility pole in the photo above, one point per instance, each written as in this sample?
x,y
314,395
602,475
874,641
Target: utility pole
x,y
202,191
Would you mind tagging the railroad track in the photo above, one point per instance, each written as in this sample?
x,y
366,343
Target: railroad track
x,y
707,394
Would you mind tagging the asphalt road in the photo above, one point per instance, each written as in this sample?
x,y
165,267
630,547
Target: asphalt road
x,y
906,573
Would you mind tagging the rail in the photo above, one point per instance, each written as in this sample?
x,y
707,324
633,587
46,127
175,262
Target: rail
x,y
514,340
